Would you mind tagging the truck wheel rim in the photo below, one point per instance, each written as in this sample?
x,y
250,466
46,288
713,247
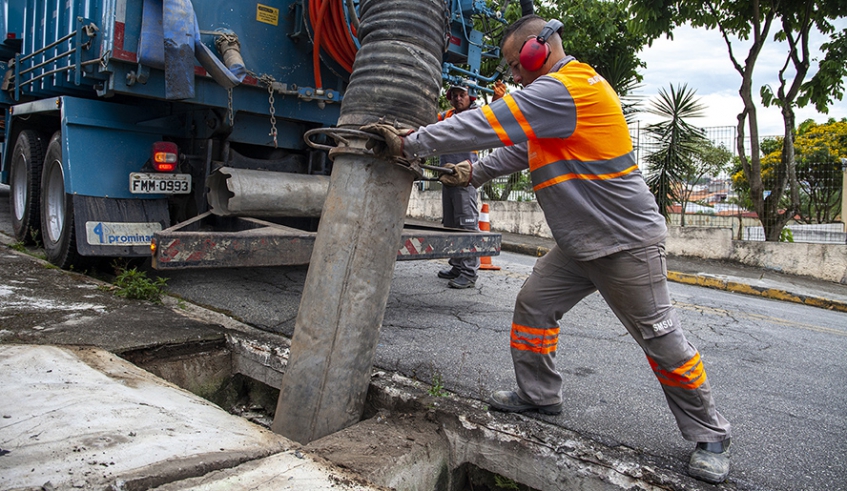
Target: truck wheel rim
x,y
54,201
19,188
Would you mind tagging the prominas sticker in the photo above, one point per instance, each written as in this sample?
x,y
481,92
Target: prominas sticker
x,y
268,15
120,233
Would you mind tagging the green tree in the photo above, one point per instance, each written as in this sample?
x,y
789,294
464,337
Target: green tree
x,y
755,22
596,32
679,144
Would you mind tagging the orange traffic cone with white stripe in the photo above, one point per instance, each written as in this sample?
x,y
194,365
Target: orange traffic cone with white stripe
x,y
485,226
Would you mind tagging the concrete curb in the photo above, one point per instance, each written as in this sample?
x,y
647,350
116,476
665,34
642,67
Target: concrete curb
x,y
711,281
527,250
725,284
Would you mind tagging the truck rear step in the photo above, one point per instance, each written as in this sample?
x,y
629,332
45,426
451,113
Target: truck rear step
x,y
210,241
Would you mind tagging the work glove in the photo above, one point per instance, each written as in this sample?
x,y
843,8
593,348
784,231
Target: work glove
x,y
461,175
499,90
393,136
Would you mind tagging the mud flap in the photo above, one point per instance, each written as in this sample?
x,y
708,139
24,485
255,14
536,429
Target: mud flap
x,y
117,227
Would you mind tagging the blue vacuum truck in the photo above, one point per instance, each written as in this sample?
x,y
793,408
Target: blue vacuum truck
x,y
194,130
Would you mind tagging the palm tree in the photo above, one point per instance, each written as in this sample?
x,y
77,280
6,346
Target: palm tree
x,y
678,143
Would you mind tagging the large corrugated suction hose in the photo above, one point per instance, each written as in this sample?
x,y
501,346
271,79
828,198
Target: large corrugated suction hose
x,y
397,73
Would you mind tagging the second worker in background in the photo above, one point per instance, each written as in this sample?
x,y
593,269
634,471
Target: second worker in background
x,y
459,204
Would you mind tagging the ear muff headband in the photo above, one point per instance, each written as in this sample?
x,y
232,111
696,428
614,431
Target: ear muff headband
x,y
535,51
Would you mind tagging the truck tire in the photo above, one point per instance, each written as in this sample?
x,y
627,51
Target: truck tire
x,y
57,210
24,183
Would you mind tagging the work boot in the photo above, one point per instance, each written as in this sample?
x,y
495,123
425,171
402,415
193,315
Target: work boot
x,y
448,274
509,401
461,281
710,462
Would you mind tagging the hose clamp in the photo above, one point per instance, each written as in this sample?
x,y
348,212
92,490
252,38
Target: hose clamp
x,y
342,147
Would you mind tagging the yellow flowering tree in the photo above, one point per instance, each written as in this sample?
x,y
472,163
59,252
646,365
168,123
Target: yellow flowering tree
x,y
819,149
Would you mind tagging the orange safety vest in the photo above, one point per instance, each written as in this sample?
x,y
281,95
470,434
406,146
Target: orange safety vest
x,y
600,144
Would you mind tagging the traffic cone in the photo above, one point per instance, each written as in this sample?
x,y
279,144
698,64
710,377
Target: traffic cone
x,y
485,226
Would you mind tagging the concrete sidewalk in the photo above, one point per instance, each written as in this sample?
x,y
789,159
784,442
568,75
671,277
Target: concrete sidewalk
x,y
76,414
80,417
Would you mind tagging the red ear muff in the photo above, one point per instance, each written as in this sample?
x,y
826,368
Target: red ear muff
x,y
535,51
533,54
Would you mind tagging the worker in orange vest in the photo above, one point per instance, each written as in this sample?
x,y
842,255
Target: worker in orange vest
x,y
567,127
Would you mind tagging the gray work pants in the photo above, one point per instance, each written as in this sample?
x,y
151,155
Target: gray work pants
x,y
634,284
459,210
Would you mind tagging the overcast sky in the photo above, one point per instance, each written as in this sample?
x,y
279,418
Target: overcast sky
x,y
700,58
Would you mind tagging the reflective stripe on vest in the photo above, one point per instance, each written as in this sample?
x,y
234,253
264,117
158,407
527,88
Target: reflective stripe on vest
x,y
508,121
599,147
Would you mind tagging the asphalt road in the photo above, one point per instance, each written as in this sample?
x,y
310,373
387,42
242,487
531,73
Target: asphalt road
x,y
776,368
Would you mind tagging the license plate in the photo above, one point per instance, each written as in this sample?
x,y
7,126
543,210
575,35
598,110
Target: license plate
x,y
152,183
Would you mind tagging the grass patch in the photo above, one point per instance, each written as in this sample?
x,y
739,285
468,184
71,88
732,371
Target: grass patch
x,y
437,389
134,284
20,247
505,483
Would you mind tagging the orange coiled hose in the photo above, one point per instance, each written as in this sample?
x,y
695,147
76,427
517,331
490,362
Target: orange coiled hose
x,y
331,34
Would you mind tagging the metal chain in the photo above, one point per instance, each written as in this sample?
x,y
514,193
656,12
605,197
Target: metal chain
x,y
447,28
268,80
272,112
229,112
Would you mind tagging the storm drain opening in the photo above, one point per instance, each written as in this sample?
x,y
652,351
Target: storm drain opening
x,y
209,370
407,438
475,478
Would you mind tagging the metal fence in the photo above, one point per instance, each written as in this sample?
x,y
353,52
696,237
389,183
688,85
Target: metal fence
x,y
519,186
822,233
713,197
